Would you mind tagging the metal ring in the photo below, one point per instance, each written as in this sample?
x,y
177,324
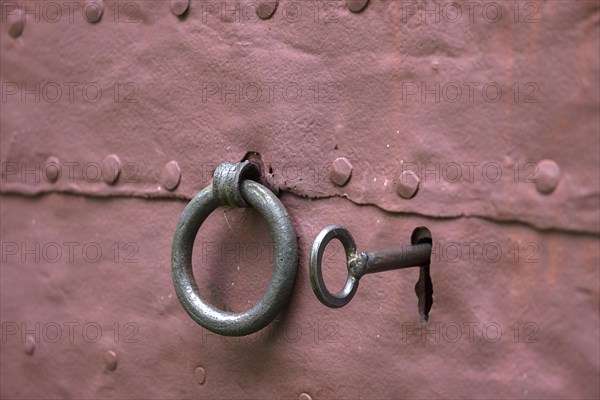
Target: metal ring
x,y
343,297
286,262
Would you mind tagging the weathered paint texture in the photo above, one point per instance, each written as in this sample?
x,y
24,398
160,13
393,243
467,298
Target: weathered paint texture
x,y
155,94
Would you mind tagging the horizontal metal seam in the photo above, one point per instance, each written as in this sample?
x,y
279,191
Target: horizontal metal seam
x,y
24,191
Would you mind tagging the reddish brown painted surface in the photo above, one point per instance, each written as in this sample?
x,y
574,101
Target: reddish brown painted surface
x,y
549,291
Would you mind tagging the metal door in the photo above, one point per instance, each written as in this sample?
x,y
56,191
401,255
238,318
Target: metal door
x,y
476,119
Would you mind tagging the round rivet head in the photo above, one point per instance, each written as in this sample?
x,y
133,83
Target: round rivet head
x,y
264,9
16,24
179,7
170,176
29,345
110,360
93,10
304,396
111,168
342,171
200,375
356,5
407,184
548,176
52,169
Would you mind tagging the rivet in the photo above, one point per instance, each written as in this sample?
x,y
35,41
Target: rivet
x,y
200,375
111,168
179,7
264,9
304,396
170,176
52,169
356,5
548,176
342,171
93,10
29,345
16,24
407,184
110,360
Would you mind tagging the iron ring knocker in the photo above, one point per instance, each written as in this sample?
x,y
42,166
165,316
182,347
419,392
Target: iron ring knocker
x,y
233,186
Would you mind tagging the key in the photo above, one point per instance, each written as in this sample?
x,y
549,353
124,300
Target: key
x,y
362,263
